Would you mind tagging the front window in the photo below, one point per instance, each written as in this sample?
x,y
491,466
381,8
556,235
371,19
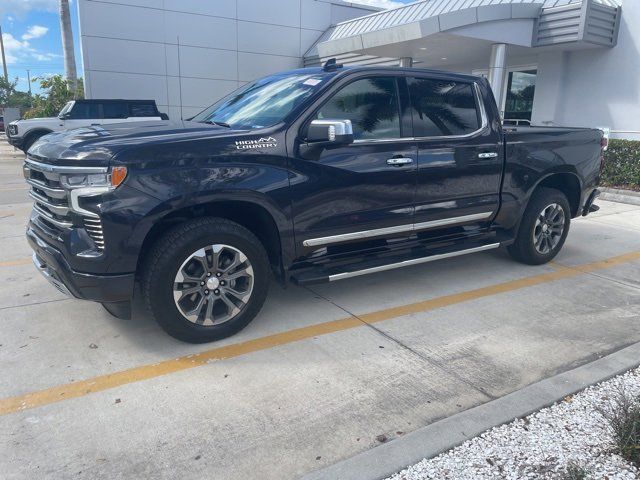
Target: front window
x,y
84,111
263,102
372,106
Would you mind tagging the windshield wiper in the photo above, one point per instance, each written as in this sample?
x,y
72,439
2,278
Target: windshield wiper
x,y
215,122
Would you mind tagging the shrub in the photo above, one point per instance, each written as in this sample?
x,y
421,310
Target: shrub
x,y
573,471
622,164
623,417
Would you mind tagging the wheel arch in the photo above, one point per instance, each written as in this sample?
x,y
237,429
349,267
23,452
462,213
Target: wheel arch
x,y
252,215
566,182
37,133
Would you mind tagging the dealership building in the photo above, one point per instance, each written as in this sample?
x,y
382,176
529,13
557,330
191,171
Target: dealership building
x,y
549,62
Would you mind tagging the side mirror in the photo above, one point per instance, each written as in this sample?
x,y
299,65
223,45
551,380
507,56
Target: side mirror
x,y
64,116
330,132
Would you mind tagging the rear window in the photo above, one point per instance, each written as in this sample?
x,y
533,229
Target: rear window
x,y
115,110
143,110
442,107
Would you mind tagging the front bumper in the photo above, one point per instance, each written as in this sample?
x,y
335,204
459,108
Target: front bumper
x,y
17,142
98,288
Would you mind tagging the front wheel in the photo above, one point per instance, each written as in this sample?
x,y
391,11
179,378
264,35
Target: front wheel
x,y
206,280
544,227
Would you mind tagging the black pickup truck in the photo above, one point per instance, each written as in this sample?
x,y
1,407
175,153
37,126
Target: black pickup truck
x,y
312,175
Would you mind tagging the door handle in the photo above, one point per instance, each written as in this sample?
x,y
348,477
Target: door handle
x,y
398,162
488,155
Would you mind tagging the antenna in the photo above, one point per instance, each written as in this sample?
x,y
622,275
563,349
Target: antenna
x,y
331,65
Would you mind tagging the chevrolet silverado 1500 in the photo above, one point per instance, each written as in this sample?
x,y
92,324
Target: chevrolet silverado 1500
x,y
312,175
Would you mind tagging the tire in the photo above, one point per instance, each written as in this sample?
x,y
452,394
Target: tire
x,y
188,252
527,247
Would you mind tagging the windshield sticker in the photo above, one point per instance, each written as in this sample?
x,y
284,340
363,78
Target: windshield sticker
x,y
312,81
262,142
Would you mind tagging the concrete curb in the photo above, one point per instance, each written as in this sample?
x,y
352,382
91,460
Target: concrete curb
x,y
389,458
618,195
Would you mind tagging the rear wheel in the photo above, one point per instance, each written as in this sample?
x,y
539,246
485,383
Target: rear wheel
x,y
206,280
544,227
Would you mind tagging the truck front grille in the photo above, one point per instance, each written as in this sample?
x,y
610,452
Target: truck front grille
x,y
50,199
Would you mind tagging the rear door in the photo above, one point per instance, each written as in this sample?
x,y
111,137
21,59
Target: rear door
x,y
460,155
362,192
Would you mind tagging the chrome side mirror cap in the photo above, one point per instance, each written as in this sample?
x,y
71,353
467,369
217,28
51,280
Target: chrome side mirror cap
x,y
335,132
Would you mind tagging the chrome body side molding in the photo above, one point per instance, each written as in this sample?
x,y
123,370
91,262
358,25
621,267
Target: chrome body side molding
x,y
410,227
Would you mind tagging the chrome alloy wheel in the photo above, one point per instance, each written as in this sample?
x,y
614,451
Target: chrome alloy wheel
x,y
213,285
548,229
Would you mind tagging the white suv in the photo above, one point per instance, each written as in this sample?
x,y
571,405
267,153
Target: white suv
x,y
82,113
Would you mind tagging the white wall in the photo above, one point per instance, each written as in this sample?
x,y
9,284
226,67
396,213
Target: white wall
x,y
186,54
599,87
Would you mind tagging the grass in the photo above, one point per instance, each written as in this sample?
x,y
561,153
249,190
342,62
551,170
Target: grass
x,y
623,418
573,471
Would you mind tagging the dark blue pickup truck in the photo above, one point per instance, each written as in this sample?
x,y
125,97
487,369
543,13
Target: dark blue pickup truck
x,y
312,175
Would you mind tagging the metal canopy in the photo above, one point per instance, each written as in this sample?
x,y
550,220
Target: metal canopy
x,y
525,23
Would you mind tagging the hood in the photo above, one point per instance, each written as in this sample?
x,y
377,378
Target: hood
x,y
36,119
99,143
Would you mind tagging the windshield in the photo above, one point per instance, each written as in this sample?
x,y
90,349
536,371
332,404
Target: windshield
x,y
263,102
66,108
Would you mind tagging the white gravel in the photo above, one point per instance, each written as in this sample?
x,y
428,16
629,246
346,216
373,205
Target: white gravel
x,y
542,445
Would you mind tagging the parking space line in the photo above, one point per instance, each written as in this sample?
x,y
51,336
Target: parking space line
x,y
145,372
13,263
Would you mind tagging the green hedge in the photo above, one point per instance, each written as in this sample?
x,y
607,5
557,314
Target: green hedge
x,y
622,164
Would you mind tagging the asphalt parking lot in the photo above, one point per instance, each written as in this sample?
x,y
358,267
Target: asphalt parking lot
x,y
322,374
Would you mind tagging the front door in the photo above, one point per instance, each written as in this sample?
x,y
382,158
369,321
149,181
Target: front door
x,y
351,196
460,156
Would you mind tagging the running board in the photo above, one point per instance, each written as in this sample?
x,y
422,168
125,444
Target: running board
x,y
317,277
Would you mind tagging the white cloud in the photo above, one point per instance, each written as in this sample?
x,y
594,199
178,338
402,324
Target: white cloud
x,y
386,4
35,31
20,8
20,50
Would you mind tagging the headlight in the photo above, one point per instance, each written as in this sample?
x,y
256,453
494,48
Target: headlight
x,y
91,184
109,180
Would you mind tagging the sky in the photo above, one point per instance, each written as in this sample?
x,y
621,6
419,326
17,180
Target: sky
x,y
32,40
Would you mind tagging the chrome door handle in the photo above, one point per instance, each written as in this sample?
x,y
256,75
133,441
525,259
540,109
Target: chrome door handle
x,y
488,155
396,162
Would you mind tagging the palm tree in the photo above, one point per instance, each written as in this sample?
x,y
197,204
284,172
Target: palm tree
x,y
67,45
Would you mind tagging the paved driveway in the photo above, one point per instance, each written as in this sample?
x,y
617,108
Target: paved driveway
x,y
322,374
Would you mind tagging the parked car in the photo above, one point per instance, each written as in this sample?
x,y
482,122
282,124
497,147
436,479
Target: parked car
x,y
82,113
312,175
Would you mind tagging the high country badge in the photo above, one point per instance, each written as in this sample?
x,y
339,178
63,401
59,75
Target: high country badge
x,y
262,142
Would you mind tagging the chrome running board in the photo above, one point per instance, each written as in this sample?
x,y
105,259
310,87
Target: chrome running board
x,y
413,261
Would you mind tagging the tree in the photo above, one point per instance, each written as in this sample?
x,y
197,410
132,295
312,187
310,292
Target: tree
x,y
56,92
11,97
67,45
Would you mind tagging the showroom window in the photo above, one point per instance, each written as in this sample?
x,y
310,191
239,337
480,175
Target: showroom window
x,y
442,108
521,88
372,106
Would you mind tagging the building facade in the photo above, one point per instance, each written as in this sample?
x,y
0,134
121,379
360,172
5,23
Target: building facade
x,y
186,54
550,62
